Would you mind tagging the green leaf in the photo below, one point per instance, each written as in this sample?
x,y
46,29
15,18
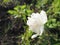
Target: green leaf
x,y
11,11
5,1
23,7
17,8
57,44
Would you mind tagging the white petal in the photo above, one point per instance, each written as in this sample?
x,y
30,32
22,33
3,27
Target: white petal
x,y
28,18
36,15
43,16
41,30
34,36
15,16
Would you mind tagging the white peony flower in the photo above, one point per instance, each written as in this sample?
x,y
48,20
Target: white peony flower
x,y
36,22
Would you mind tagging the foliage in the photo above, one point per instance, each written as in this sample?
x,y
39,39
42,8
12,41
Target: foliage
x,y
8,3
19,14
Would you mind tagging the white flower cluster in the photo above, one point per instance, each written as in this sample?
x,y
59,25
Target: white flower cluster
x,y
36,23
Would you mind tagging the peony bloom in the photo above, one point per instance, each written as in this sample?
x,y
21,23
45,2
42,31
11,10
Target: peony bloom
x,y
36,23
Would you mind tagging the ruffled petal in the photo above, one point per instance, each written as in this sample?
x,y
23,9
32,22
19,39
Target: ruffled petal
x,y
43,16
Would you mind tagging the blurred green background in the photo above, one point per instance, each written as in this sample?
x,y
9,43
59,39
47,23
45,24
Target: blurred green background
x,y
13,18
